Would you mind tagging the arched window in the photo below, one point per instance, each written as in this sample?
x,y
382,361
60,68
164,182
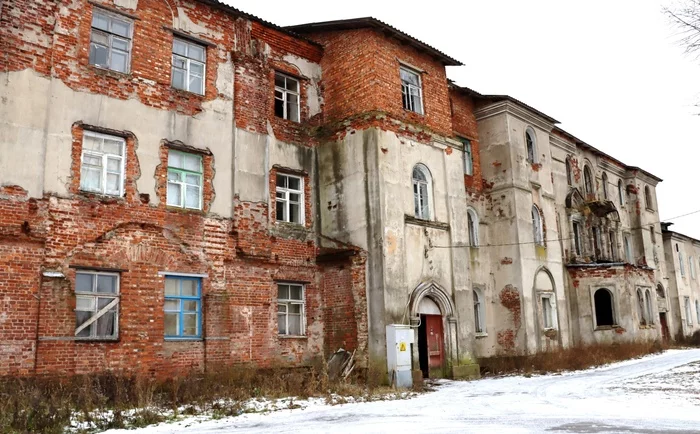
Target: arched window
x,y
421,192
569,175
649,310
605,185
647,197
544,288
479,324
640,308
620,193
531,145
603,301
588,180
537,227
628,250
660,291
473,227
613,245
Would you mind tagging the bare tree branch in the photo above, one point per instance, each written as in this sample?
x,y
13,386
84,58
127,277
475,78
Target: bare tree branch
x,y
685,18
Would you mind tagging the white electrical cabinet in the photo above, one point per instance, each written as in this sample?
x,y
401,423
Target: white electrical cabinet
x,y
399,338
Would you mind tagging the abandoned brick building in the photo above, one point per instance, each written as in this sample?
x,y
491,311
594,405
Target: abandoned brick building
x,y
184,185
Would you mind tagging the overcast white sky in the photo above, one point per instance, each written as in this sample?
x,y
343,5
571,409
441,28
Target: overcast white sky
x,y
610,71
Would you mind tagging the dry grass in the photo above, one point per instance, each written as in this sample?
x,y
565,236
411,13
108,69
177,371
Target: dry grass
x,y
46,405
573,358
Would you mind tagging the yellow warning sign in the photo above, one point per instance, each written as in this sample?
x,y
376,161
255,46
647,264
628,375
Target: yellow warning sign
x,y
402,346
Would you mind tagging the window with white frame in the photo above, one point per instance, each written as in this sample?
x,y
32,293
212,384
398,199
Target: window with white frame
x,y
421,192
188,66
681,264
537,227
110,41
183,307
531,145
479,317
473,227
290,309
649,309
688,315
96,304
102,164
549,320
185,175
289,199
468,157
641,308
628,249
411,90
286,97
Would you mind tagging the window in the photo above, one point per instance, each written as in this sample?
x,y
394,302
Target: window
x,y
588,180
691,266
110,41
290,309
628,249
660,291
688,315
577,238
652,233
102,164
620,192
641,308
184,180
411,90
605,185
597,248
649,310
183,307
603,301
289,199
286,97
531,145
479,326
697,311
680,261
548,318
647,198
96,305
537,227
569,175
613,245
421,200
473,227
189,64
468,157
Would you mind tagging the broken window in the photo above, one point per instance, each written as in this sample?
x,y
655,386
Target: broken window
x,y
479,326
290,309
647,198
421,198
649,310
110,41
569,175
597,248
605,185
96,304
188,67
603,301
620,192
286,97
588,180
613,245
102,164
289,199
185,176
531,145
577,238
537,227
411,90
688,316
641,308
548,309
473,227
183,307
468,158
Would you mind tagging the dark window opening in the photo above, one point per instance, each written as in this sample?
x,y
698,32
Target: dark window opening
x,y
603,307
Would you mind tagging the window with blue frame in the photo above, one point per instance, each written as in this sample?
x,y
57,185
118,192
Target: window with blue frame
x,y
183,307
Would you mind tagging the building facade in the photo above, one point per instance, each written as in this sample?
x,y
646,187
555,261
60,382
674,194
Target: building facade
x,y
184,185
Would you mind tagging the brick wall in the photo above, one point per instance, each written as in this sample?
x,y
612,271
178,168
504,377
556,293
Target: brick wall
x,y
464,125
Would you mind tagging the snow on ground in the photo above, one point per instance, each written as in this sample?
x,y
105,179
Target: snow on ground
x,y
655,394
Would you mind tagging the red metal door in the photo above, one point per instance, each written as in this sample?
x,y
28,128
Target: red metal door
x,y
435,341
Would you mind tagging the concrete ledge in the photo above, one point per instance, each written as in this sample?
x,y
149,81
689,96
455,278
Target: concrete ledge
x,y
466,372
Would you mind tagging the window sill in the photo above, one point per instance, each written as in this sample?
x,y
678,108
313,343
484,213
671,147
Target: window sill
x,y
111,73
427,223
481,335
413,113
603,328
184,210
651,209
301,337
96,340
288,121
188,339
187,93
101,196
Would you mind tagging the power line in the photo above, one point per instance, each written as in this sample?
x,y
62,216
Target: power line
x,y
558,239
